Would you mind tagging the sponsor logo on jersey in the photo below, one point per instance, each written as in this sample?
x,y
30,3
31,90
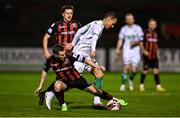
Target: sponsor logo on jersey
x,y
69,32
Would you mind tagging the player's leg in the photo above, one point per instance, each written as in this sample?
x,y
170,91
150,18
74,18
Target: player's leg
x,y
155,68
59,89
146,65
142,80
124,76
126,65
97,83
47,93
135,59
98,80
104,95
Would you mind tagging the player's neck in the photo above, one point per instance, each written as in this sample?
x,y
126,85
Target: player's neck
x,y
130,25
66,21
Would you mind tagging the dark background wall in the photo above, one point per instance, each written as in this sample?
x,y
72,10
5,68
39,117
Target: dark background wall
x,y
24,22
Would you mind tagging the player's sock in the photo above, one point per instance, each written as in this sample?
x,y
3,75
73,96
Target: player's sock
x,y
132,75
50,88
60,97
106,96
98,84
124,77
157,79
143,77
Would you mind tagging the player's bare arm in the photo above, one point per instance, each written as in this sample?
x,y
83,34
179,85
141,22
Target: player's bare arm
x,y
145,52
118,50
42,80
45,45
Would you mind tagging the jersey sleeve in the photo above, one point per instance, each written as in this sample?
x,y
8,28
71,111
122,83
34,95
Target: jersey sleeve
x,y
46,66
52,29
80,31
96,30
121,34
140,34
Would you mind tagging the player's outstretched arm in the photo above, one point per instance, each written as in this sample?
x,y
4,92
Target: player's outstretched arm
x,y
45,45
42,79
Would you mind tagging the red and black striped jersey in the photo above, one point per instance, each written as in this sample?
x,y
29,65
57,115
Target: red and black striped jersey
x,y
151,43
64,69
64,31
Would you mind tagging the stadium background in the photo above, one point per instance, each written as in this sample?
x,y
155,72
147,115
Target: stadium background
x,y
23,24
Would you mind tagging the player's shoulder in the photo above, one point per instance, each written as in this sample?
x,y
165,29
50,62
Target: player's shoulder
x,y
56,23
137,26
123,28
76,23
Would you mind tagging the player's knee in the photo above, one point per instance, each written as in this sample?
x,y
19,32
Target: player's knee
x,y
155,71
58,86
99,75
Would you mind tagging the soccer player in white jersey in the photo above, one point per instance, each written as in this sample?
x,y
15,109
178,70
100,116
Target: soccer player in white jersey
x,y
85,41
130,37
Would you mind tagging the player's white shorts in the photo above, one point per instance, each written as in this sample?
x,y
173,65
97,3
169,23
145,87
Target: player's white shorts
x,y
80,67
131,57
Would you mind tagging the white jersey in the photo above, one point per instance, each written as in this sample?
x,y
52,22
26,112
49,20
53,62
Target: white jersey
x,y
86,37
131,55
128,34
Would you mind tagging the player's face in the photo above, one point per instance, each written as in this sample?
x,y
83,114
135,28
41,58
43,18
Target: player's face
x,y
67,15
152,25
129,19
110,22
61,54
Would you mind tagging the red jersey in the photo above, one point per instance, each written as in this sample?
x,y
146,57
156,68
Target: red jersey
x,y
64,69
151,43
64,31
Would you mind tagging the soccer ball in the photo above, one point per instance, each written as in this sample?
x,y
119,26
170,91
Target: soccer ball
x,y
113,105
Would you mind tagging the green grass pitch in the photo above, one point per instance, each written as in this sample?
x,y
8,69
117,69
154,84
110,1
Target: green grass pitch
x,y
17,97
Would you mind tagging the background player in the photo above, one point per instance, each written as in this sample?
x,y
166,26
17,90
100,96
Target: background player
x,y
129,37
150,57
68,76
85,41
64,31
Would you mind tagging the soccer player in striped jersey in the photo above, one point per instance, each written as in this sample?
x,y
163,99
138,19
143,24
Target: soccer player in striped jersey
x,y
64,31
150,55
130,36
85,41
67,76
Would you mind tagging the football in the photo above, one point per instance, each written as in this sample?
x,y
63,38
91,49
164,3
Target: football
x,y
113,105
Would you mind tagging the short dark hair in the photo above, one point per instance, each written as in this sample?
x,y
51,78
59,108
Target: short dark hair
x,y
129,14
111,14
57,48
66,7
152,19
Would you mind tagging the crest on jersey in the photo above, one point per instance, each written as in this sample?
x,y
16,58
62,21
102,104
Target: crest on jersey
x,y
74,25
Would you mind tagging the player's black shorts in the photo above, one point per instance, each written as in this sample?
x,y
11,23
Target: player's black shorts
x,y
80,83
150,63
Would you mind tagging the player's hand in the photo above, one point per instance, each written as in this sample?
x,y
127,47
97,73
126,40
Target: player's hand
x,y
68,46
92,54
145,53
134,43
102,68
37,91
47,55
117,59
